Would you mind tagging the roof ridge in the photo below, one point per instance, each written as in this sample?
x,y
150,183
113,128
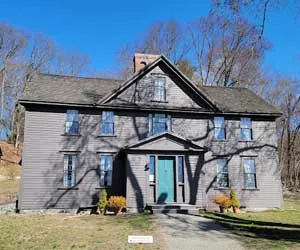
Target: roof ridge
x,y
79,77
222,87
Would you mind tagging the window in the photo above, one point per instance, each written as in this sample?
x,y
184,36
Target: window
x,y
219,128
249,173
107,123
246,129
106,168
152,169
70,164
180,169
159,123
159,89
222,173
72,122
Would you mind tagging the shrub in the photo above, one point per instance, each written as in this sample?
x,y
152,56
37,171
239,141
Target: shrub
x,y
235,202
116,204
223,201
102,204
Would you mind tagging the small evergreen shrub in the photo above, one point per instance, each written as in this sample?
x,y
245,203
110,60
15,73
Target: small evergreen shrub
x,y
235,202
102,204
116,204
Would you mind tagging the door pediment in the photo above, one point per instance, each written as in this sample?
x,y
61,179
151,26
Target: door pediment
x,y
165,142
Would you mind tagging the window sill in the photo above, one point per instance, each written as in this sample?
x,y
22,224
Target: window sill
x,y
106,135
180,184
68,188
78,135
216,140
246,141
222,188
159,101
250,189
152,184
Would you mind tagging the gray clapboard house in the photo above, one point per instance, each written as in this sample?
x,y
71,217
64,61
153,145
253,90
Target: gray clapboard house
x,y
154,138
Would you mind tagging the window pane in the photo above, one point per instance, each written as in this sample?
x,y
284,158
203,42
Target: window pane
x,y
180,169
152,169
72,122
250,180
245,122
219,133
72,115
249,166
219,122
246,134
222,180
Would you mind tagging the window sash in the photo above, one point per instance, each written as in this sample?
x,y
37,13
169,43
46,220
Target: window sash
x,y
246,134
219,128
107,123
106,168
70,163
180,169
152,168
159,89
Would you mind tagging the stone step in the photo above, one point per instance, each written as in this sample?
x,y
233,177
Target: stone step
x,y
175,211
173,208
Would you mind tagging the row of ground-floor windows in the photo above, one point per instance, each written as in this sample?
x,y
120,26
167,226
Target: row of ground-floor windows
x,y
71,163
106,168
248,168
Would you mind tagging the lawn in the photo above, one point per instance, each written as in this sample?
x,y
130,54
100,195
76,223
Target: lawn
x,y
74,232
272,229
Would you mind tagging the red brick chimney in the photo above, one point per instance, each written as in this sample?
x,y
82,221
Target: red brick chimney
x,y
141,60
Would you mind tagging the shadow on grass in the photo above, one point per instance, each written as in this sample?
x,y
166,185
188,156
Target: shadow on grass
x,y
257,229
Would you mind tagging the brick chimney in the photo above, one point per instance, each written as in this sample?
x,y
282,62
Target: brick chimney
x,y
141,60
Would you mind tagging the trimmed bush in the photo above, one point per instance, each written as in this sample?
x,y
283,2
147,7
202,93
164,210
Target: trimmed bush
x,y
116,204
102,204
235,202
223,201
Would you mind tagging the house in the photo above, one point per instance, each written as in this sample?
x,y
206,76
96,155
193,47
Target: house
x,y
154,138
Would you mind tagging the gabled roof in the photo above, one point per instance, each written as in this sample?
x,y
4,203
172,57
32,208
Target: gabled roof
x,y
82,91
165,141
148,68
68,89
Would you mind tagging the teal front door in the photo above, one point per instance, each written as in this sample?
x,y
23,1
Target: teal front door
x,y
165,180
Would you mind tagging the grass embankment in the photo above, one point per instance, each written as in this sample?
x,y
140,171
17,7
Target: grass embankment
x,y
73,232
272,229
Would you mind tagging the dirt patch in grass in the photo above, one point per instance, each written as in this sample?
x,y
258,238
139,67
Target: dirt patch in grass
x,y
74,232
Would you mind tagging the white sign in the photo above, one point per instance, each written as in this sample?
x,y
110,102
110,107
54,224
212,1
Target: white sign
x,y
136,239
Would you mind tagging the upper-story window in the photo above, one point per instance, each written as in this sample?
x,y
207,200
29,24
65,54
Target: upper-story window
x,y
107,123
159,123
219,128
246,129
70,164
72,122
159,90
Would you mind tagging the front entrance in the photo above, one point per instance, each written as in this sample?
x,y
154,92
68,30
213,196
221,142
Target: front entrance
x,y
165,180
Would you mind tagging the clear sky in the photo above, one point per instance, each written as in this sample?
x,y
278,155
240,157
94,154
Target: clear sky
x,y
99,28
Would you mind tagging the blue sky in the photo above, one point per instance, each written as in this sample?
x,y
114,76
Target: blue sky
x,y
99,28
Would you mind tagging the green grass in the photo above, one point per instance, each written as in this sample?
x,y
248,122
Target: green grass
x,y
73,232
272,229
